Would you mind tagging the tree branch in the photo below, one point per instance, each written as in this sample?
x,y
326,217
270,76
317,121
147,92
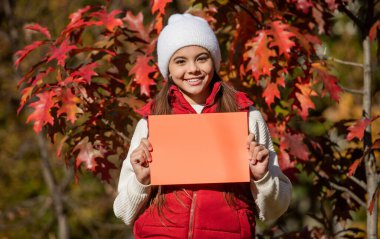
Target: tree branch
x,y
248,12
349,192
355,19
106,122
55,192
358,182
350,63
353,91
69,176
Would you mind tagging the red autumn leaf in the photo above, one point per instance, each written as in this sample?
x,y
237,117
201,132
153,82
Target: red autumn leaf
x,y
304,99
151,47
135,23
74,17
207,14
305,40
60,52
159,5
28,49
373,30
287,166
259,55
94,49
38,79
159,23
332,5
25,95
294,144
281,37
29,75
69,105
317,14
60,146
376,144
141,70
74,26
245,25
357,129
87,154
304,5
86,72
77,22
284,158
41,114
354,166
108,19
330,82
271,91
37,27
331,85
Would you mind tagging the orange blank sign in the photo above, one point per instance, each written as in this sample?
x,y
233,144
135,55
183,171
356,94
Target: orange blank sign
x,y
199,148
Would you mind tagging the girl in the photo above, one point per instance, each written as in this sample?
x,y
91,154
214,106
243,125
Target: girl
x,y
189,57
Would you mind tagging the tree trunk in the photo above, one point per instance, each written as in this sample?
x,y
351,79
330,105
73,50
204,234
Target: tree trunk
x,y
370,162
55,190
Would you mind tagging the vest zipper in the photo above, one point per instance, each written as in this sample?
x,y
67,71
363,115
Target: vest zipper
x,y
191,221
213,100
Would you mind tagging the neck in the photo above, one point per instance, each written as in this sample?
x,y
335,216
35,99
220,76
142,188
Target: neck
x,y
196,99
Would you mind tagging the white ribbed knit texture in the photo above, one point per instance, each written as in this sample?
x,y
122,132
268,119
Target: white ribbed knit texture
x,y
185,30
272,193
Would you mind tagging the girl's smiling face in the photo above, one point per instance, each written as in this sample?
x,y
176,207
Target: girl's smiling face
x,y
191,68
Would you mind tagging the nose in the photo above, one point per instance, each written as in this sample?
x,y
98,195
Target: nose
x,y
193,67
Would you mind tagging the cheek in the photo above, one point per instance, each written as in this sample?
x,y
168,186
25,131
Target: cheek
x,y
208,68
175,72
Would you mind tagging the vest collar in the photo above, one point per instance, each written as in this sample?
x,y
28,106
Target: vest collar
x,y
178,100
176,96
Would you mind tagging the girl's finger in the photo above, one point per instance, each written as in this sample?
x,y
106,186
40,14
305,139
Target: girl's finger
x,y
146,163
147,144
146,151
254,149
252,159
251,138
262,154
252,146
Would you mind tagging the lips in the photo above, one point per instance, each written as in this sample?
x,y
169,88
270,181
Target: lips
x,y
194,81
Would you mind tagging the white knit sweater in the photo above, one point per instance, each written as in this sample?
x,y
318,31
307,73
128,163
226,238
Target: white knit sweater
x,y
272,193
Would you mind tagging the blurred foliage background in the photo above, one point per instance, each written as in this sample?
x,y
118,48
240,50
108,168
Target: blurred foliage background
x,y
25,205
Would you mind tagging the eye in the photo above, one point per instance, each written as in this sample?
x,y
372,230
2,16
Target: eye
x,y
179,61
203,58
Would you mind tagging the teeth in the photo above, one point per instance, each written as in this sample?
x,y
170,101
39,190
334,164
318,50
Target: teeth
x,y
193,80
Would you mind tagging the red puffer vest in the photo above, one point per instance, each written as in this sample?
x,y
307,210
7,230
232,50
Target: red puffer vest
x,y
202,210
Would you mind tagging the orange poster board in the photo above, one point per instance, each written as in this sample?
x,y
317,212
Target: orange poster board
x,y
199,148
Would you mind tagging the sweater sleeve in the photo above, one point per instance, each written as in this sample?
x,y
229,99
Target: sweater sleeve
x,y
132,195
272,193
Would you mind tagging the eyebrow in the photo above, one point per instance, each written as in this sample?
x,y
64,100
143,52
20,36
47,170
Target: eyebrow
x,y
180,57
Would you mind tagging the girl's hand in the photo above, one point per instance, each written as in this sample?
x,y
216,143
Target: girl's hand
x,y
140,159
258,158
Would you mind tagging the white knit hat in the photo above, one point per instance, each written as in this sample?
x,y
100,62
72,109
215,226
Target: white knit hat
x,y
185,30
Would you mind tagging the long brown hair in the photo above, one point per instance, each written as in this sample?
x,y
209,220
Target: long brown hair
x,y
225,101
